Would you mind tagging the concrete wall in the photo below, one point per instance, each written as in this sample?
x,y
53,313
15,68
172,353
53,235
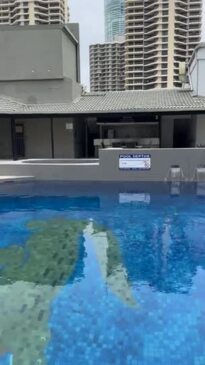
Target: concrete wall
x,y
40,64
37,138
5,139
69,58
161,161
197,71
200,130
193,76
108,167
42,91
186,121
63,138
74,28
29,53
47,171
201,74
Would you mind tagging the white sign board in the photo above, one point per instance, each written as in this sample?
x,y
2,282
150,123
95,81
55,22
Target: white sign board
x,y
69,126
136,161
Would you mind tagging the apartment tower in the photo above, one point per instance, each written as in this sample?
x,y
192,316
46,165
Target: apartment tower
x,y
31,12
107,67
159,35
114,19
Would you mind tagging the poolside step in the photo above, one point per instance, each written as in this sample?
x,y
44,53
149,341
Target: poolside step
x,y
4,179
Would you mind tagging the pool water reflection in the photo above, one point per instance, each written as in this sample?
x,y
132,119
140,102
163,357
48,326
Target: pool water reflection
x,y
103,275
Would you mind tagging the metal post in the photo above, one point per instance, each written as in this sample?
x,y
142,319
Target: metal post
x,y
101,131
13,139
86,138
52,139
160,131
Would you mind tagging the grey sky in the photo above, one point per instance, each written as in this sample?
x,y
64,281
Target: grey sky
x,y
90,15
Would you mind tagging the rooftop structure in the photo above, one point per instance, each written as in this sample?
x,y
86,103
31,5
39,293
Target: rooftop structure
x,y
107,67
31,12
114,20
159,35
40,63
197,70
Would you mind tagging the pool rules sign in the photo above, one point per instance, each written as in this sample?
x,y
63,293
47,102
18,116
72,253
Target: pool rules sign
x,y
139,162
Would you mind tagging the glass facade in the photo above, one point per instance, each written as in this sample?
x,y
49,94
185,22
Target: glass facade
x,y
114,19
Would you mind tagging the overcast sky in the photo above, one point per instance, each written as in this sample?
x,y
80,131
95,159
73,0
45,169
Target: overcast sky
x,y
90,15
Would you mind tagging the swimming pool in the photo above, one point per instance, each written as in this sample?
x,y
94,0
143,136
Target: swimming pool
x,y
102,274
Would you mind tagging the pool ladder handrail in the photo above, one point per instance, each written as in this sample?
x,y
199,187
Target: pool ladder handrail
x,y
175,174
199,174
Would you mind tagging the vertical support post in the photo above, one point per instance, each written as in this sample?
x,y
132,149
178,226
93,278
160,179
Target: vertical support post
x,y
159,130
86,138
101,131
13,139
52,138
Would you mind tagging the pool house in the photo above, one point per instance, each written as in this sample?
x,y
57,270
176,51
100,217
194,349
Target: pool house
x,y
78,129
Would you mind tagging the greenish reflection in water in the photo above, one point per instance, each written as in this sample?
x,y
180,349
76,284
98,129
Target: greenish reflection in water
x,y
32,275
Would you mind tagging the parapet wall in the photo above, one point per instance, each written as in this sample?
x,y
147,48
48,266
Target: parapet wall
x,y
107,168
161,161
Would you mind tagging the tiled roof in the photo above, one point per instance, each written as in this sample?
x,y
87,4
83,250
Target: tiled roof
x,y
10,105
113,102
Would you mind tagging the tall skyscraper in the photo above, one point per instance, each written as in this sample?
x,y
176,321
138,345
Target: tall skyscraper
x,y
107,67
31,12
159,35
107,60
114,19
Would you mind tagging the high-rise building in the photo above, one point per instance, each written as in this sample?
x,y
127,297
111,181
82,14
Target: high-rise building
x,y
114,19
107,66
31,12
159,35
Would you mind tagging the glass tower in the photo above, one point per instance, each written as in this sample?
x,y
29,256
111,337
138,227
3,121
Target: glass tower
x,y
114,19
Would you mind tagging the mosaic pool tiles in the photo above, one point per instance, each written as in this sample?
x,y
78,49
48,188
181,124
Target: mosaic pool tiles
x,y
28,285
115,284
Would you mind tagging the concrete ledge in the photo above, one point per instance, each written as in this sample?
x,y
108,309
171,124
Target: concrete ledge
x,y
9,179
107,168
65,161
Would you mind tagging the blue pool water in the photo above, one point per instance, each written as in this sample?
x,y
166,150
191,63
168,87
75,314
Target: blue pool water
x,y
133,293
